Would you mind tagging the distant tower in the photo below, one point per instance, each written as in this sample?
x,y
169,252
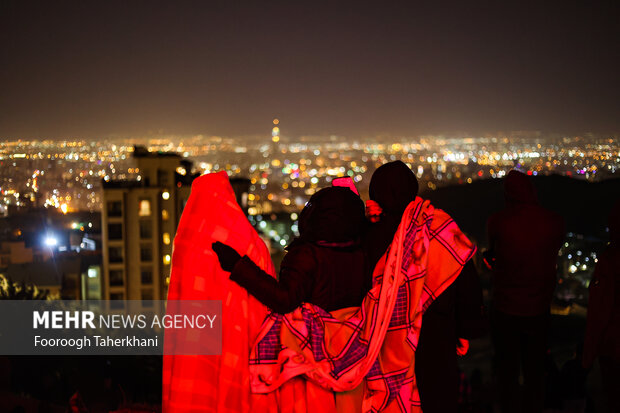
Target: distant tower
x,y
275,136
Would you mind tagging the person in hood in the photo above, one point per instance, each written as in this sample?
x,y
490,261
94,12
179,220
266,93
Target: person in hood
x,y
524,239
455,315
602,338
324,266
393,186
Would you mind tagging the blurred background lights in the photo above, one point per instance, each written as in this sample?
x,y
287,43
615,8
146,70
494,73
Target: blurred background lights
x,y
50,241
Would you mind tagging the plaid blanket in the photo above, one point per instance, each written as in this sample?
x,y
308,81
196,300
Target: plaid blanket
x,y
374,344
214,383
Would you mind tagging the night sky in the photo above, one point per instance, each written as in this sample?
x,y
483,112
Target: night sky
x,y
146,68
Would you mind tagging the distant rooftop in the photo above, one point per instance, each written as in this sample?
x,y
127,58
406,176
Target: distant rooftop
x,y
141,152
119,184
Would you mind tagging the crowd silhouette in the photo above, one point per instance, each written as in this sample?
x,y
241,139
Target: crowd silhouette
x,y
332,262
340,261
398,262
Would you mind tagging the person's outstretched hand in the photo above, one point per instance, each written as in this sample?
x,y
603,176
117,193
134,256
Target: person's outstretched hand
x,y
227,255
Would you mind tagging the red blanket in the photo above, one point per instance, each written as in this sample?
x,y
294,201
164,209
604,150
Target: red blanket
x,y
214,383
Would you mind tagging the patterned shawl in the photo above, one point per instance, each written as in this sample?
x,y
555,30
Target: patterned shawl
x,y
377,341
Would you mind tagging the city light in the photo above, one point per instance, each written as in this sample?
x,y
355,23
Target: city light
x,y
50,241
284,176
144,208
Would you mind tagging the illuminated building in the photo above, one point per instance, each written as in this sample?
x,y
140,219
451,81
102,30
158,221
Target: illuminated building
x,y
139,220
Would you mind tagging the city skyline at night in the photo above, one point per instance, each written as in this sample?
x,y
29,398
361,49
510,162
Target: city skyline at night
x,y
149,148
67,175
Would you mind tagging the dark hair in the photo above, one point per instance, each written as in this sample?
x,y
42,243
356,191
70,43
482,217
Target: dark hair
x,y
393,186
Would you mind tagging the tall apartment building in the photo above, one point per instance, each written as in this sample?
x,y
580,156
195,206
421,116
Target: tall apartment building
x,y
139,221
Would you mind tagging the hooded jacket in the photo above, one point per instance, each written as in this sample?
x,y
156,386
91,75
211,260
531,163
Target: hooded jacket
x,y
324,266
524,239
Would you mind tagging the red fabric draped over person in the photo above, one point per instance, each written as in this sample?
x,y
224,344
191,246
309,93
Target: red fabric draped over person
x,y
377,341
214,383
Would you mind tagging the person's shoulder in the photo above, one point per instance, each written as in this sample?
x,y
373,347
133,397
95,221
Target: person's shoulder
x,y
552,217
299,252
500,216
299,247
550,212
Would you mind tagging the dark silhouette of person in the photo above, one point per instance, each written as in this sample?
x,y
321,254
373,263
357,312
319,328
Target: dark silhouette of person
x,y
554,387
524,239
573,378
324,266
455,314
602,338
